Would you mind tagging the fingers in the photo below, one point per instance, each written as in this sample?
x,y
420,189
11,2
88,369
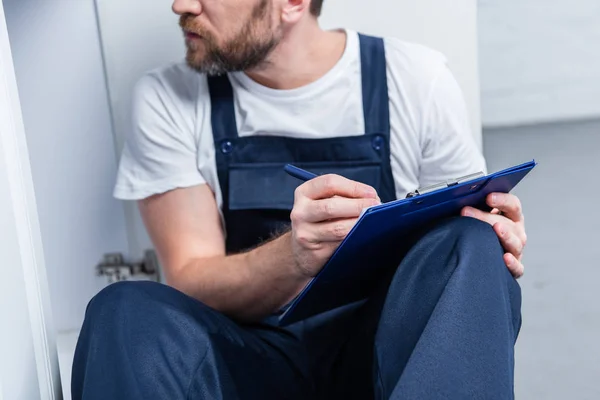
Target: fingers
x,y
335,231
510,241
515,266
327,208
481,215
334,208
326,232
511,234
508,204
327,186
508,223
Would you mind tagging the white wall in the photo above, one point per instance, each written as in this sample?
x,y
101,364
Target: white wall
x,y
16,339
131,49
540,60
28,360
447,26
67,121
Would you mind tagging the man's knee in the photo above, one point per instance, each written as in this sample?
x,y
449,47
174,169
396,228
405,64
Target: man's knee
x,y
122,299
478,242
142,317
142,332
480,263
470,243
476,254
470,231
116,293
466,248
464,254
147,306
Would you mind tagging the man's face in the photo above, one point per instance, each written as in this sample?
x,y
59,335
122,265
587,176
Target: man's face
x,y
227,35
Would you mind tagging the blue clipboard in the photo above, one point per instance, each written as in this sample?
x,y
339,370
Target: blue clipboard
x,y
356,267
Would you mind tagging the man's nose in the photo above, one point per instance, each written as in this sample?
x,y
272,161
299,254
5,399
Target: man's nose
x,y
181,7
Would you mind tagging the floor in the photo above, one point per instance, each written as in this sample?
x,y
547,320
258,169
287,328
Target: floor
x,y
558,351
66,342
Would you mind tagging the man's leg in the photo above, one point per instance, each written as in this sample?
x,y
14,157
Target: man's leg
x,y
450,319
148,341
442,325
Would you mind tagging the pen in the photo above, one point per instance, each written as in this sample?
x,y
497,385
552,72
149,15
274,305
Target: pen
x,y
299,173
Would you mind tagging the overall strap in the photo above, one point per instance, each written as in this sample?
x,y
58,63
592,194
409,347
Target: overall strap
x,y
222,109
374,85
224,129
374,88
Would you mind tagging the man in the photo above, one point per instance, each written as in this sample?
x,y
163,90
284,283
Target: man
x,y
264,86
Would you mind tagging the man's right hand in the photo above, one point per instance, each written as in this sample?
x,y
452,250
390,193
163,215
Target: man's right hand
x,y
186,229
325,210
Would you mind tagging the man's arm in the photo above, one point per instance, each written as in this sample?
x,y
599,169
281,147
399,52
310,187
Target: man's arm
x,y
186,230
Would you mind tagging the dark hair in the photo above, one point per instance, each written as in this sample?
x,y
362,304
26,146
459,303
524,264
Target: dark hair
x,y
315,7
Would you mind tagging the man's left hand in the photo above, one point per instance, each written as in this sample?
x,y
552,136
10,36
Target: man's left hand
x,y
508,222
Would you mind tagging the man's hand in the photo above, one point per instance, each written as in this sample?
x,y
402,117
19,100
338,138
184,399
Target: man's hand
x,y
509,224
325,210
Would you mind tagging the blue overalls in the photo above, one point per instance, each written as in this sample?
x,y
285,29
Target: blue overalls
x,y
258,195
442,325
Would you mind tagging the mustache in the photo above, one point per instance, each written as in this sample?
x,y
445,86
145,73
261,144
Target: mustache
x,y
187,23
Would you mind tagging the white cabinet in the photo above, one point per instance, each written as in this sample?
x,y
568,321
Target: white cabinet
x,y
60,76
28,357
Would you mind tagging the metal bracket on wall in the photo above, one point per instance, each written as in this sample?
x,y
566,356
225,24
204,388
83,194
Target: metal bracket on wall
x,y
116,269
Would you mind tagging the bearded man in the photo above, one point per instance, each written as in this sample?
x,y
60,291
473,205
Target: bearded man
x,y
263,86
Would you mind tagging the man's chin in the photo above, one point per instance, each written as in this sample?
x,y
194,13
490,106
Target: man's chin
x,y
195,58
204,67
195,65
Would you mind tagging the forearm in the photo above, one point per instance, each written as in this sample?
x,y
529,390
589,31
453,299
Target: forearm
x,y
246,286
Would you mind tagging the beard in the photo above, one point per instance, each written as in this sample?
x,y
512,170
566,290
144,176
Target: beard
x,y
248,49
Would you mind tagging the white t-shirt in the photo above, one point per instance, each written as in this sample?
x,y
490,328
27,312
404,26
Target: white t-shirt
x,y
171,143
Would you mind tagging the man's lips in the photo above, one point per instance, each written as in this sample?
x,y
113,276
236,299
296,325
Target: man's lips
x,y
192,36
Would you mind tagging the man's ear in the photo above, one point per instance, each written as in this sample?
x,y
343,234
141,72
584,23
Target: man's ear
x,y
293,10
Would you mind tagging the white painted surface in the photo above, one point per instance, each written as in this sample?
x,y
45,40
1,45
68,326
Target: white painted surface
x,y
558,349
130,49
28,357
67,121
447,26
540,60
66,342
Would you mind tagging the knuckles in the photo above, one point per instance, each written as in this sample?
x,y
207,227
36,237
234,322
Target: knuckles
x,y
297,215
329,183
327,209
298,193
303,239
338,231
516,205
513,203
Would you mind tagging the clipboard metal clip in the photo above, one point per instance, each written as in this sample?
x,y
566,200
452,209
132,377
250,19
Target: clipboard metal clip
x,y
443,185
